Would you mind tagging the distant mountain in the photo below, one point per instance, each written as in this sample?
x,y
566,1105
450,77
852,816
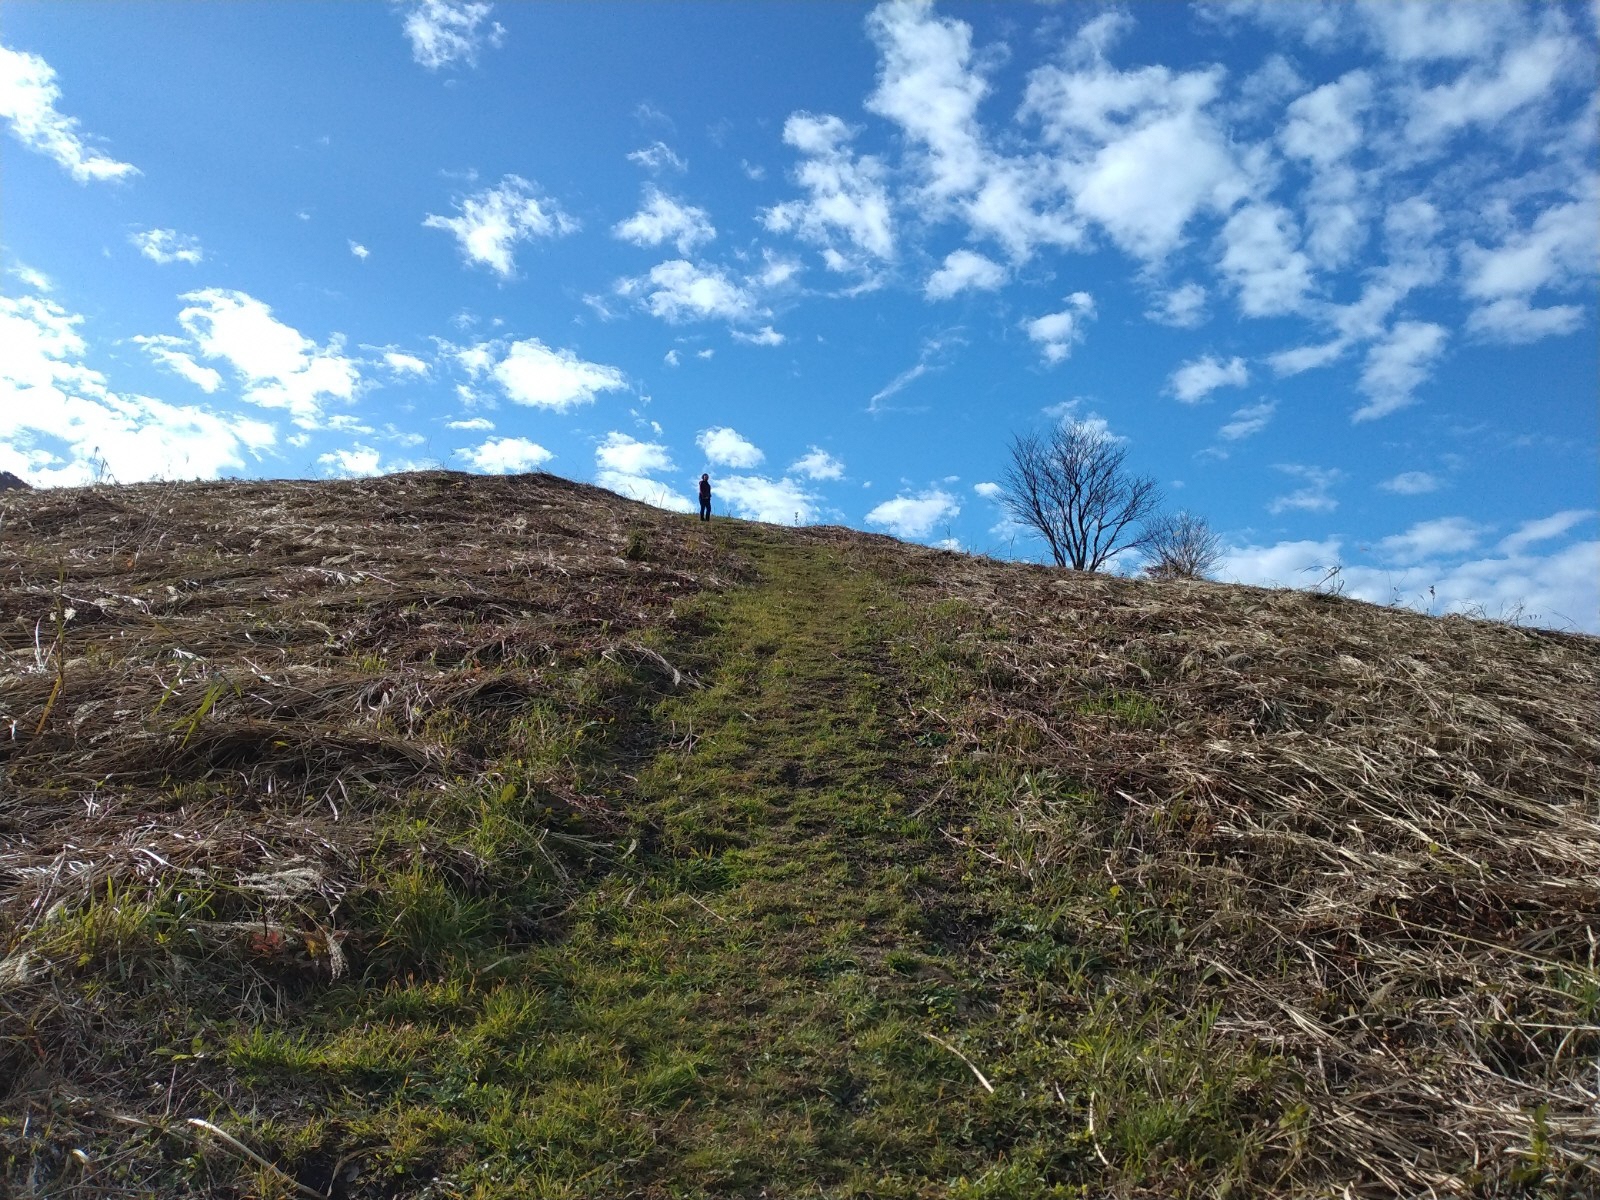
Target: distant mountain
x,y
8,482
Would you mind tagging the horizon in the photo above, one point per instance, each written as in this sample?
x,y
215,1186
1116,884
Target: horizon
x,y
1330,270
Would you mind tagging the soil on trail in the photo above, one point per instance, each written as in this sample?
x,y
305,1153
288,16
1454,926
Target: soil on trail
x,y
441,836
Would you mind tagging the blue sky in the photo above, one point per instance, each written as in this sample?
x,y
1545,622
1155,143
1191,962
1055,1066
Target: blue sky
x,y
1329,269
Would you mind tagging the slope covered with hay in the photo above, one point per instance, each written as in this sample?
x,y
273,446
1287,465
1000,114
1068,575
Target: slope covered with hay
x,y
454,836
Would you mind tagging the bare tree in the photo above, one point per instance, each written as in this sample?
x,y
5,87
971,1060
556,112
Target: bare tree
x,y
1072,487
1182,546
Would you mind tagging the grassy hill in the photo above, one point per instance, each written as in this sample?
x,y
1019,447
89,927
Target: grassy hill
x,y
449,836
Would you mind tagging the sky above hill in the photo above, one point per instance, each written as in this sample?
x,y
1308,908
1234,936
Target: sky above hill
x,y
1329,269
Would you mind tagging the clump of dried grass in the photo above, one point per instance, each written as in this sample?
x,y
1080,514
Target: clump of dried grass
x,y
1383,828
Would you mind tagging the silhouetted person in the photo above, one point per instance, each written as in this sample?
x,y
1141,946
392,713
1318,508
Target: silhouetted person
x,y
705,497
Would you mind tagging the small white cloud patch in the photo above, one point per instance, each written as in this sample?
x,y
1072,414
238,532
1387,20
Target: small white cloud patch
x,y
1411,483
405,364
725,447
505,456
494,220
1194,381
1056,333
964,270
663,219
917,515
446,32
536,375
167,246
1248,421
360,251
817,464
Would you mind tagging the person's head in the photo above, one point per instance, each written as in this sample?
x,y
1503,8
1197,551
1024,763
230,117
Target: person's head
x,y
706,478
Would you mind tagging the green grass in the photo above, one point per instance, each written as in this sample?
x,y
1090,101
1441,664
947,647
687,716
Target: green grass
x,y
765,983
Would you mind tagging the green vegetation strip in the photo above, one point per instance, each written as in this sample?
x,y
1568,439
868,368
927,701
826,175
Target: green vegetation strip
x,y
787,982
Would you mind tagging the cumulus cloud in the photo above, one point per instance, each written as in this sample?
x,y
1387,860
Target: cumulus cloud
x,y
493,221
167,246
1486,95
679,291
360,251
757,498
505,456
817,464
846,210
1261,259
404,364
1194,381
726,447
1399,364
765,336
1056,333
446,32
1315,496
626,466
930,84
1182,307
663,219
1411,483
28,96
989,490
475,424
532,373
964,270
278,365
352,462
1559,250
1248,421
62,424
915,516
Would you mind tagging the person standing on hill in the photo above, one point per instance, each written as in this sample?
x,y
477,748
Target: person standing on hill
x,y
705,497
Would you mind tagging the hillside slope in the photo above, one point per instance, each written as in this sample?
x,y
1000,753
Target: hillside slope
x,y
440,835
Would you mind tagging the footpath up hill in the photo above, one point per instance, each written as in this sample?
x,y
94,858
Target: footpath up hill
x,y
449,836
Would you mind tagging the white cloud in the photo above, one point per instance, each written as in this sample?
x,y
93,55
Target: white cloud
x,y
1194,381
1315,496
446,32
1543,529
670,358
405,364
663,219
915,516
658,156
59,417
1248,421
1398,365
1431,539
360,251
817,464
765,336
505,456
475,424
172,353
279,366
626,465
1487,95
1286,564
167,246
1411,483
28,95
1056,333
964,270
930,85
494,220
846,198
726,447
628,456
37,280
1182,307
533,374
679,291
1558,250
1261,260
353,462
988,490
757,498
